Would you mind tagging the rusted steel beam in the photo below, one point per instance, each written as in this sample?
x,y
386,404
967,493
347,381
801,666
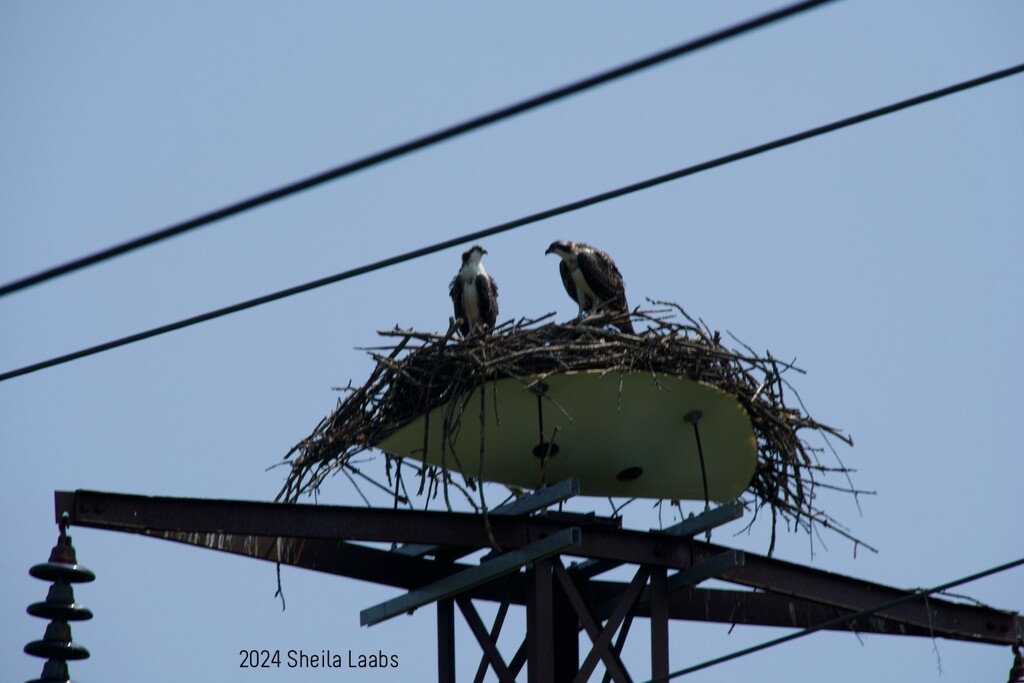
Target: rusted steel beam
x,y
317,530
754,608
350,560
970,622
724,606
768,609
127,512
133,513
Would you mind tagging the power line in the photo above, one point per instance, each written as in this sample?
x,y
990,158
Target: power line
x,y
414,145
519,222
838,621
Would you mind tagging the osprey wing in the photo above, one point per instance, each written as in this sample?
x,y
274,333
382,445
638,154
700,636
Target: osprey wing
x,y
487,296
570,286
455,291
604,278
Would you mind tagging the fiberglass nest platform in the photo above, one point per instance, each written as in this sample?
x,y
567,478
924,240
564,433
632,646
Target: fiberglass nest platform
x,y
621,434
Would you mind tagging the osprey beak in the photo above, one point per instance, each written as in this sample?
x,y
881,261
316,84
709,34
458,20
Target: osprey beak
x,y
559,247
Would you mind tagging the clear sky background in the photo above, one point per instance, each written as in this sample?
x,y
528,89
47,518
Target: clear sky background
x,y
885,258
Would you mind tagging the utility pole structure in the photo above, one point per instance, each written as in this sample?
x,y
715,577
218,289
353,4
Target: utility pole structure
x,y
531,570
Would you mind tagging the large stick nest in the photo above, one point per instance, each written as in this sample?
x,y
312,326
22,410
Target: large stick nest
x,y
421,371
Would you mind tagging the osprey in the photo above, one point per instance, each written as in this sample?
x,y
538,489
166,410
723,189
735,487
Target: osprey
x,y
474,294
592,280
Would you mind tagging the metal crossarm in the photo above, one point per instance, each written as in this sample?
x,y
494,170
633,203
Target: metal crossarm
x,y
469,578
327,539
691,526
709,569
705,521
538,500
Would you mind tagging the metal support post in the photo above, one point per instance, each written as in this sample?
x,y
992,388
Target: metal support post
x,y
566,631
446,640
539,627
659,622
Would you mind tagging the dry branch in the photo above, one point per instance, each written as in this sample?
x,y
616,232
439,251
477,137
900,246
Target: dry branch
x,y
423,370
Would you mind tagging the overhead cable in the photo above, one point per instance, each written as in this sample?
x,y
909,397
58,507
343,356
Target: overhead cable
x,y
839,621
415,144
519,222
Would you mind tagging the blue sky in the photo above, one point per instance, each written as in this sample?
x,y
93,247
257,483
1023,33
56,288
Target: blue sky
x,y
885,258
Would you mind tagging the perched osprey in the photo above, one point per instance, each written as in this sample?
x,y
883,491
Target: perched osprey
x,y
474,294
592,280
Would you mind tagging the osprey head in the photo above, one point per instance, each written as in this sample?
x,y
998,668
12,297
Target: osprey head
x,y
561,247
473,254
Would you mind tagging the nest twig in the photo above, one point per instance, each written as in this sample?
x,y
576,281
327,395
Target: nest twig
x,y
423,370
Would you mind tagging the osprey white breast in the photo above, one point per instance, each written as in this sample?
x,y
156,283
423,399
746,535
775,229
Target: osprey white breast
x,y
474,294
470,300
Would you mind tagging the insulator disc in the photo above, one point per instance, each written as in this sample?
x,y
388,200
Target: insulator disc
x,y
56,649
57,571
59,610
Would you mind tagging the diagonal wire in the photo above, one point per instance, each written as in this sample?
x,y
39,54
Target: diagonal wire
x,y
519,222
838,621
414,145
